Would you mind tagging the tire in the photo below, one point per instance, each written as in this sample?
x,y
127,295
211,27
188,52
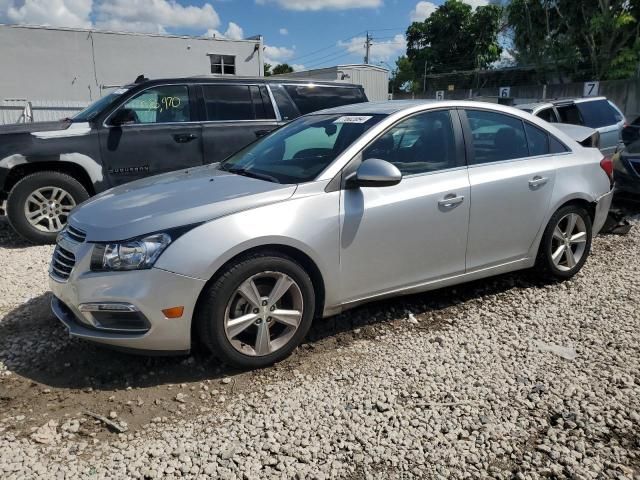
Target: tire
x,y
24,197
554,246
238,344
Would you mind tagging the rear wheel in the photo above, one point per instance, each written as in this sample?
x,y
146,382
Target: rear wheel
x,y
566,242
39,205
257,311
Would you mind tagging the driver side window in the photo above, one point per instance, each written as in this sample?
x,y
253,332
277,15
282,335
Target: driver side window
x,y
419,144
165,104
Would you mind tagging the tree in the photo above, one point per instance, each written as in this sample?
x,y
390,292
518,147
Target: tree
x,y
282,68
578,40
455,37
267,70
403,77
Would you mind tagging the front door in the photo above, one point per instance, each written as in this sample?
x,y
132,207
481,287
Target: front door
x,y
511,173
154,133
235,116
414,232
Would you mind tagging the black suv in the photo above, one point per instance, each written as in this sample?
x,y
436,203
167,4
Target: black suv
x,y
143,129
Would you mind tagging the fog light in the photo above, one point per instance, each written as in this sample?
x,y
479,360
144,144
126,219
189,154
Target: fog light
x,y
173,312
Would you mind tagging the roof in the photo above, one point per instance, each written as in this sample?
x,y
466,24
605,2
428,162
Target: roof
x,y
270,79
560,101
384,107
115,32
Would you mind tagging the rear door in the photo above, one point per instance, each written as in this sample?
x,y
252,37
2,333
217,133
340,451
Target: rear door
x,y
158,136
235,115
511,173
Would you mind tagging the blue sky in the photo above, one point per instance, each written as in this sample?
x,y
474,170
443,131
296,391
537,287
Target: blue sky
x,y
304,33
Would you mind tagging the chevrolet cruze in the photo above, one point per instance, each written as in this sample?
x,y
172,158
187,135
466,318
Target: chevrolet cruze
x,y
332,210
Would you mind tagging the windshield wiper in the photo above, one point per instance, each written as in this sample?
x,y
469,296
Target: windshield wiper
x,y
250,173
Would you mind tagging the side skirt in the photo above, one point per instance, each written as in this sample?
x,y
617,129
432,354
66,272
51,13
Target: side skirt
x,y
434,284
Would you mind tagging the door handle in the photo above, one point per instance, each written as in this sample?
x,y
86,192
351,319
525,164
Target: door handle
x,y
451,200
184,137
538,181
261,133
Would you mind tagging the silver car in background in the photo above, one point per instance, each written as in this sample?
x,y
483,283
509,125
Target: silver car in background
x,y
337,208
592,112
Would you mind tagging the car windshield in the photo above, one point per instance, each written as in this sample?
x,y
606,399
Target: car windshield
x,y
301,150
96,107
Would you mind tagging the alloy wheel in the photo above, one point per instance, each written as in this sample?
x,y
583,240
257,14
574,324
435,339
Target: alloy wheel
x,y
47,208
569,241
263,313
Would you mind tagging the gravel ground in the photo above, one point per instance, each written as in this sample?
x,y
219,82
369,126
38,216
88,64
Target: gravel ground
x,y
508,378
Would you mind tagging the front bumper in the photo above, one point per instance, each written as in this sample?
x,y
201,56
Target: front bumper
x,y
149,291
603,205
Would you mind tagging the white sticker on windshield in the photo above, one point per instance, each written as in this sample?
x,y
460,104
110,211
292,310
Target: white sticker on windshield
x,y
352,119
120,91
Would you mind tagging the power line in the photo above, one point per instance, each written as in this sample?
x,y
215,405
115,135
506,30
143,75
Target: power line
x,y
333,45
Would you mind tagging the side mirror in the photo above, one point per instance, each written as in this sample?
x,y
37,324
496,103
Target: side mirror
x,y
374,172
630,134
124,116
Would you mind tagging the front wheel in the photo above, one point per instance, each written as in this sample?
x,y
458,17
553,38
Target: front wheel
x,y
566,242
257,311
40,204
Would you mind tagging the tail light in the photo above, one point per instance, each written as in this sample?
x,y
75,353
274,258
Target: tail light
x,y
607,165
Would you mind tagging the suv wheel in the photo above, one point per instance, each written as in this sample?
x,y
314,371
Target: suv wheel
x,y
566,242
257,311
39,205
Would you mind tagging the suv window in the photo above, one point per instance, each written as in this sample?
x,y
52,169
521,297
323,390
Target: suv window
x,y
286,107
418,144
311,98
496,136
597,113
236,102
570,114
548,115
262,102
165,104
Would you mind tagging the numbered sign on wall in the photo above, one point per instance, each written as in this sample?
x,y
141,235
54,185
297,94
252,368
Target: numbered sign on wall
x,y
591,89
505,92
440,95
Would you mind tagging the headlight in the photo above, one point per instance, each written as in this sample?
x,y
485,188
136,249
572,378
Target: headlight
x,y
135,254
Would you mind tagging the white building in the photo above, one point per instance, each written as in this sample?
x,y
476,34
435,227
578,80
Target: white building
x,y
75,65
373,78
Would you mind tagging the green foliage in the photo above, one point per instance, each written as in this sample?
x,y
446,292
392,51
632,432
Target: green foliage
x,y
282,68
267,70
455,37
576,40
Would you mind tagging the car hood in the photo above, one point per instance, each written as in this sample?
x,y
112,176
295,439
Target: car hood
x,y
34,127
172,200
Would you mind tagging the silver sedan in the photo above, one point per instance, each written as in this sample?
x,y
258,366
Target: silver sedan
x,y
337,208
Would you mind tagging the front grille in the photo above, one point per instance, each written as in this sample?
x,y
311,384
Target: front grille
x,y
62,262
75,234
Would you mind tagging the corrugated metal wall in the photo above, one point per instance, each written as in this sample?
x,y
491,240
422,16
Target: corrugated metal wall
x,y
374,81
43,110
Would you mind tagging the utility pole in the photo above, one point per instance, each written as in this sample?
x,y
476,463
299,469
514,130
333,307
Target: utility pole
x,y
367,46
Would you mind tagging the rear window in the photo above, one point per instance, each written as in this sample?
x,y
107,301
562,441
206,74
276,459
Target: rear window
x,y
597,113
311,98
